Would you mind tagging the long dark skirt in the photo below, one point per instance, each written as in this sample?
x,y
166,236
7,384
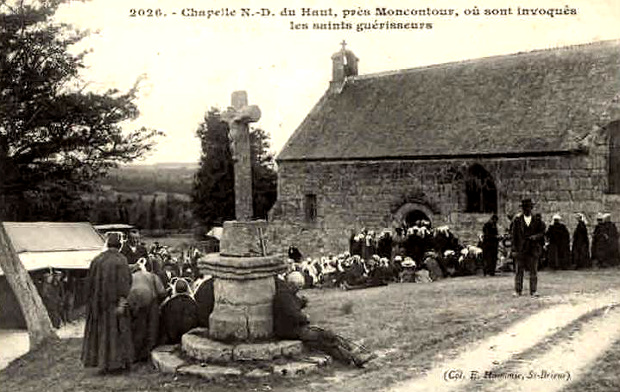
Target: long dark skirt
x,y
107,340
145,330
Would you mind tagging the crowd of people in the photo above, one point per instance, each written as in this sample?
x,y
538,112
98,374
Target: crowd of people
x,y
133,307
558,252
418,253
421,253
57,289
139,298
134,304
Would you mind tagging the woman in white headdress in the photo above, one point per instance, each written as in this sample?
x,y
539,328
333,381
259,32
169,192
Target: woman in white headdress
x,y
179,312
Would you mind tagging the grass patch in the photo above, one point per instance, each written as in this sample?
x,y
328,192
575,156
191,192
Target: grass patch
x,y
412,326
347,308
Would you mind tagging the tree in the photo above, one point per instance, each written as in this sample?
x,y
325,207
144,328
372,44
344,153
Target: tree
x,y
264,176
153,214
55,137
52,130
213,196
37,319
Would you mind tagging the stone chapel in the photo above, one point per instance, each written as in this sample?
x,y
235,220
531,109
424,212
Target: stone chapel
x,y
453,143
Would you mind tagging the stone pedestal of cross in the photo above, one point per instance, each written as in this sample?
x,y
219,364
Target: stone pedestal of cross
x,y
245,271
239,339
238,116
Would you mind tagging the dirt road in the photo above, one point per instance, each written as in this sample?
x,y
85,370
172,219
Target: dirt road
x,y
14,342
544,352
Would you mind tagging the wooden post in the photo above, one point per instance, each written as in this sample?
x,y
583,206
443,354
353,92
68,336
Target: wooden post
x,y
38,321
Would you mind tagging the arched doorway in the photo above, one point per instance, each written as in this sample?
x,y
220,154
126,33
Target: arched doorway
x,y
480,191
411,212
414,216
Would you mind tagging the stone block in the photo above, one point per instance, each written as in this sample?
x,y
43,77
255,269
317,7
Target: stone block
x,y
243,238
258,373
166,361
291,348
169,348
319,359
260,326
210,372
205,349
238,322
200,331
228,322
295,369
256,352
246,268
244,292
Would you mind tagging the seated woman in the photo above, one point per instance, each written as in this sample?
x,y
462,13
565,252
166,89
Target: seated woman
x,y
289,322
179,313
407,275
205,299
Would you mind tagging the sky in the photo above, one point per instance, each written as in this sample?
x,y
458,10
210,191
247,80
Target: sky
x,y
190,64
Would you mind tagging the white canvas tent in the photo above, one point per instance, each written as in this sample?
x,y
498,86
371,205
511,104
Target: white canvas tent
x,y
62,245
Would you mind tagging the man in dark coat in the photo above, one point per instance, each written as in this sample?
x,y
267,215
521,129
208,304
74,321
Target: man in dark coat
x,y
289,322
558,251
581,245
294,254
384,246
490,245
527,243
107,335
133,249
50,294
369,246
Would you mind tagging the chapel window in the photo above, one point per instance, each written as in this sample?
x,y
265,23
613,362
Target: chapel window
x,y
310,207
613,170
480,191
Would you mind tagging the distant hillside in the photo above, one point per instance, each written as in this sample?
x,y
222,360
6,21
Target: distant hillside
x,y
167,177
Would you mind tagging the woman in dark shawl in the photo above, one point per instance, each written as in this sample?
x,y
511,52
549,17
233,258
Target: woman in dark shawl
x,y
558,252
179,313
599,243
107,341
581,245
614,250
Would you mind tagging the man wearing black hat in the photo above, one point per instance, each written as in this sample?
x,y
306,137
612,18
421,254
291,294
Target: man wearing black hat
x,y
527,243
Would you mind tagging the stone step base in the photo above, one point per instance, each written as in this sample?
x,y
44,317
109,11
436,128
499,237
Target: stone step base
x,y
169,359
196,344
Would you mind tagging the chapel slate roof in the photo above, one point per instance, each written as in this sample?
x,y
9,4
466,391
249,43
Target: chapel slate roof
x,y
533,102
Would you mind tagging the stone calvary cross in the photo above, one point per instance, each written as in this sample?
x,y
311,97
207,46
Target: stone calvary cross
x,y
238,116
